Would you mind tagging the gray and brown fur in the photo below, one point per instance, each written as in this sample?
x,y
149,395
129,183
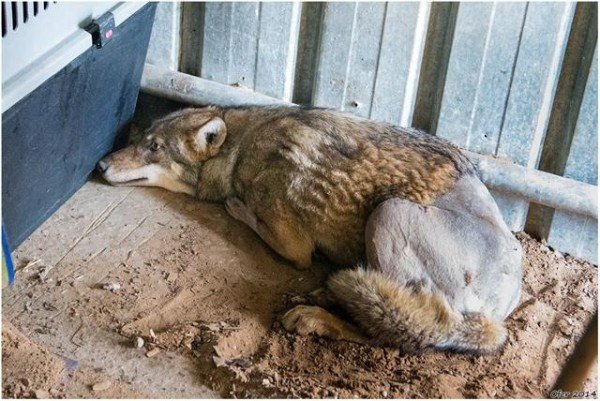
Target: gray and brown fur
x,y
312,179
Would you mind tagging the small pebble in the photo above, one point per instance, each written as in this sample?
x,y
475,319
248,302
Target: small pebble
x,y
219,361
266,382
105,385
297,299
153,352
111,286
42,394
152,335
139,342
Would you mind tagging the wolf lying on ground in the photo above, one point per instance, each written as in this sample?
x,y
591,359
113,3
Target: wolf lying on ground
x,y
428,259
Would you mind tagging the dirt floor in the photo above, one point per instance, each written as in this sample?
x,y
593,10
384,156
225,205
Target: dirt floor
x,y
142,293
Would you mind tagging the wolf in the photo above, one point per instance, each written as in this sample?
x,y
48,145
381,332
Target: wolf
x,y
426,258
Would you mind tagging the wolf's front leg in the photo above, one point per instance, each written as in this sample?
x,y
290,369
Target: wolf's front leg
x,y
287,239
239,211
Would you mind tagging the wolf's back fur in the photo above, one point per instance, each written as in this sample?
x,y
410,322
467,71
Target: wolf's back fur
x,y
325,171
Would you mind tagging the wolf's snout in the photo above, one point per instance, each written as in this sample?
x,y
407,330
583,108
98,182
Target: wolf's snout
x,y
102,166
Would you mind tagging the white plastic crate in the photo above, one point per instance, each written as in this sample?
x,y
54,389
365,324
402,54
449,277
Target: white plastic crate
x,y
40,38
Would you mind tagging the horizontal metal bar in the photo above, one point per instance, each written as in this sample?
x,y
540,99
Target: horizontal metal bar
x,y
533,185
198,91
537,186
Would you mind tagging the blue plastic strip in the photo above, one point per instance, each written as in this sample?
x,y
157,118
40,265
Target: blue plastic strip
x,y
7,257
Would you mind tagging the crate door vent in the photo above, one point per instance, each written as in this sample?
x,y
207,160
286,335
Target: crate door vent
x,y
16,13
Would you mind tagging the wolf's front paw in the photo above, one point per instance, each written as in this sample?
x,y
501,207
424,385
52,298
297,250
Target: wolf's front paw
x,y
239,211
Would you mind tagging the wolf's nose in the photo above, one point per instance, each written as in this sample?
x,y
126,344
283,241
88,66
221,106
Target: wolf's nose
x,y
102,166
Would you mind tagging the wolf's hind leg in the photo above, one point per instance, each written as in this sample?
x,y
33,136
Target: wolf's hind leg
x,y
306,320
279,233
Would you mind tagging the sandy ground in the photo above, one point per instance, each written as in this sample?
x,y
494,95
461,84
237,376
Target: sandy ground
x,y
204,294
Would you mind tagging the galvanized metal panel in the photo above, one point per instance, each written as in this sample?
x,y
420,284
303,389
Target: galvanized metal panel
x,y
434,65
251,44
575,235
243,37
366,54
216,46
542,46
163,50
494,81
397,45
571,233
566,105
469,58
582,164
277,46
500,84
192,38
309,33
334,54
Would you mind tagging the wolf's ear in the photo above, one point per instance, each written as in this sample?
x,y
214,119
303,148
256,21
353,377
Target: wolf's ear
x,y
209,138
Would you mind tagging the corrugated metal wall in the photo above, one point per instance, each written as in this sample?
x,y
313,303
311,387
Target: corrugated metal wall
x,y
514,80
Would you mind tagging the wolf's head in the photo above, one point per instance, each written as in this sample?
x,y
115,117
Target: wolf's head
x,y
170,152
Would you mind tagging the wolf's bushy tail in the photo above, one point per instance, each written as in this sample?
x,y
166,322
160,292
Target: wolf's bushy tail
x,y
395,315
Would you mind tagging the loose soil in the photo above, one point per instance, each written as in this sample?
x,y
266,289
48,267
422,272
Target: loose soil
x,y
205,295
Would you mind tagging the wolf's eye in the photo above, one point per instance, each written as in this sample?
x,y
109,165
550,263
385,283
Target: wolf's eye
x,y
154,146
